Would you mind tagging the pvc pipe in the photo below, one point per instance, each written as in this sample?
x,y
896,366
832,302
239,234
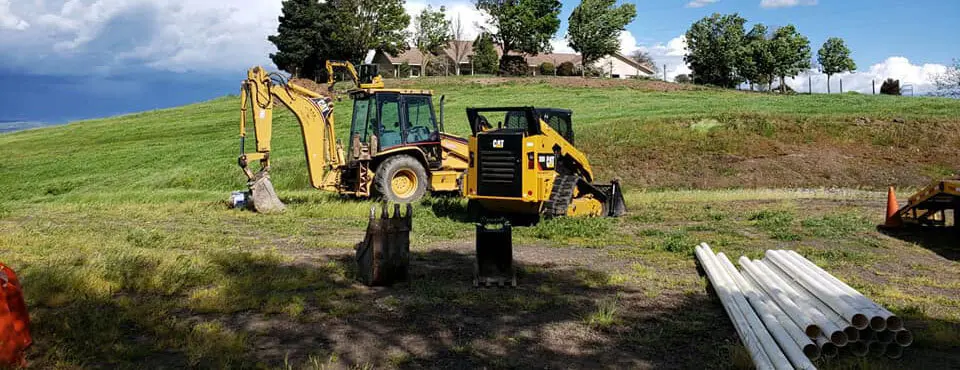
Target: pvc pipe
x,y
802,294
826,292
894,351
830,328
796,354
800,339
747,335
868,334
886,336
891,321
859,349
786,302
827,349
877,348
903,338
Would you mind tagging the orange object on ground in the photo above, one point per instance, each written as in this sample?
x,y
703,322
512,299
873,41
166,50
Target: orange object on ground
x,y
14,320
893,217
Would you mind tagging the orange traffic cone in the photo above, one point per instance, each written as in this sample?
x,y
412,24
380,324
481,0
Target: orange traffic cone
x,y
893,217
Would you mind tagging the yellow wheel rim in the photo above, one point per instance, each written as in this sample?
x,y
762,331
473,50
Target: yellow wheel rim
x,y
404,183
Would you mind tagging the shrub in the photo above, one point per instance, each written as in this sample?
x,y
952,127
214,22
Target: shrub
x,y
404,70
547,69
566,69
513,65
682,79
890,87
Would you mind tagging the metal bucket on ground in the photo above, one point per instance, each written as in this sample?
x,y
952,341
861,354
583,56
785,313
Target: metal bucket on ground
x,y
383,256
494,264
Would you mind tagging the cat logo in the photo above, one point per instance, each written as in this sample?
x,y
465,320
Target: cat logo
x,y
498,143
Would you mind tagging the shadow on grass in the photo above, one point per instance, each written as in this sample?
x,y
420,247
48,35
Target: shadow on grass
x,y
267,312
944,241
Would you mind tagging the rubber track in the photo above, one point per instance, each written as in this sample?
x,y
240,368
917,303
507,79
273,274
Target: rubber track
x,y
560,196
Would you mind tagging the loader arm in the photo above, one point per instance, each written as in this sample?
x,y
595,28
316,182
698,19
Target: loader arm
x,y
314,113
376,82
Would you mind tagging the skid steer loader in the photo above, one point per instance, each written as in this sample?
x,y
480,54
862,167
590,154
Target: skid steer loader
x,y
527,165
396,148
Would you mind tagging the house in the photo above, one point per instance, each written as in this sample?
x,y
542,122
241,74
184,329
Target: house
x,y
460,53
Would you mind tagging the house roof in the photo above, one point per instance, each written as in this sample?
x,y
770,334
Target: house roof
x,y
646,68
414,57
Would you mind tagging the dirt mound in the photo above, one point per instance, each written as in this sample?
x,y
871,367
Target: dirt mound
x,y
311,85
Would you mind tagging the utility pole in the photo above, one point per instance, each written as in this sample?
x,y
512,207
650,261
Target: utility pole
x,y
841,86
874,87
664,72
810,84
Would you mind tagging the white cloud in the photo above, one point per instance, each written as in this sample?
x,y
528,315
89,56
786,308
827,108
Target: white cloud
x,y
105,37
668,56
700,3
898,67
10,21
786,3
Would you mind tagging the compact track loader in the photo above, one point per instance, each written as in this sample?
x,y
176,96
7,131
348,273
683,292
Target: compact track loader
x,y
526,164
396,148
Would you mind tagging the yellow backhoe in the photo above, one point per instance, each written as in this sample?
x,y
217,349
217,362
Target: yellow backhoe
x,y
526,164
396,147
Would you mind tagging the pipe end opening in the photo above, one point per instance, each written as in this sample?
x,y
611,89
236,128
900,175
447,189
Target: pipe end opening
x,y
860,321
894,323
894,352
852,333
878,323
829,350
904,338
811,351
839,338
812,331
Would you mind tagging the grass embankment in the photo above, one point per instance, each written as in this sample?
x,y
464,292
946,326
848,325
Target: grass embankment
x,y
130,257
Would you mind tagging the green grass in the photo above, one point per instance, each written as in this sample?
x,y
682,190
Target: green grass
x,y
120,229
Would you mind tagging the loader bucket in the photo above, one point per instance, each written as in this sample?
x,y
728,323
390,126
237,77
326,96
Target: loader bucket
x,y
494,265
613,206
383,256
263,198
14,321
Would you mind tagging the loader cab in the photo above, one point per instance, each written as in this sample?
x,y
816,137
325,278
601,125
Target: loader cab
x,y
390,119
367,72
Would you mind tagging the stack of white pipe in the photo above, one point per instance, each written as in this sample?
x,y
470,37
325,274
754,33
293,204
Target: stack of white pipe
x,y
788,311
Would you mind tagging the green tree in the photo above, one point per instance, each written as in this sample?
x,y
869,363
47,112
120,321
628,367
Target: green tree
x,y
834,57
523,26
791,52
950,79
311,32
566,69
682,79
431,33
756,61
548,69
594,26
484,57
714,49
890,87
297,37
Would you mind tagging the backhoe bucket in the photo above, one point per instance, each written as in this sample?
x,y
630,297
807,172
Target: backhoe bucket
x,y
494,265
263,198
383,256
614,205
14,321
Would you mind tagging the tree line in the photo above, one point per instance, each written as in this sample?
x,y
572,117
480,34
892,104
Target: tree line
x,y
722,52
311,32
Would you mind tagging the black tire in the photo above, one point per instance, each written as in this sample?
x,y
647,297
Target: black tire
x,y
394,166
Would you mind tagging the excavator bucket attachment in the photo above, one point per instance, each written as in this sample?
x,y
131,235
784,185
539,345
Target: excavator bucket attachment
x,y
14,321
383,256
494,265
263,197
614,206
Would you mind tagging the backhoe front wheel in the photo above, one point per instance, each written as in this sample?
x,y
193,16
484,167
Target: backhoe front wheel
x,y
401,179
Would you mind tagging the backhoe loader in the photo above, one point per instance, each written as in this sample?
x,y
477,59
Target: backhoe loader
x,y
396,149
527,165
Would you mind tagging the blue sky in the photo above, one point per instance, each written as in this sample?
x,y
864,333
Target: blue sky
x,y
69,60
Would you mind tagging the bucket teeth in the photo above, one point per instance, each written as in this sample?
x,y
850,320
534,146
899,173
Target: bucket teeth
x,y
383,257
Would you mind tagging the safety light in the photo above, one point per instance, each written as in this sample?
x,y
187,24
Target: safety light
x,y
530,161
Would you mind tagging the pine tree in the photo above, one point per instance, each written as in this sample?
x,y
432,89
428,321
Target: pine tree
x,y
484,55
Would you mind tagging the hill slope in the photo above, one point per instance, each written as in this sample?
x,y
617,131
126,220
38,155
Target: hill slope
x,y
697,138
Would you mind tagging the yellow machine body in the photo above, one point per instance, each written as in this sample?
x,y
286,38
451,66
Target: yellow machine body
x,y
432,160
524,165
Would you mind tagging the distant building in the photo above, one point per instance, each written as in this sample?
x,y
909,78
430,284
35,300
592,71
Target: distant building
x,y
616,65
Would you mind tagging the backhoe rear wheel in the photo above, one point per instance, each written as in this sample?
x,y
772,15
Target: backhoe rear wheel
x,y
401,179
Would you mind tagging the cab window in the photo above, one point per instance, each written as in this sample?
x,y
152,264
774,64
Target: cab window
x,y
420,125
389,112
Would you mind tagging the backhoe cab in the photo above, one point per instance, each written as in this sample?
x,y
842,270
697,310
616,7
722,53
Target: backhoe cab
x,y
396,147
523,162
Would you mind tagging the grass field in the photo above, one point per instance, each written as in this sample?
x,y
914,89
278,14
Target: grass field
x,y
131,258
